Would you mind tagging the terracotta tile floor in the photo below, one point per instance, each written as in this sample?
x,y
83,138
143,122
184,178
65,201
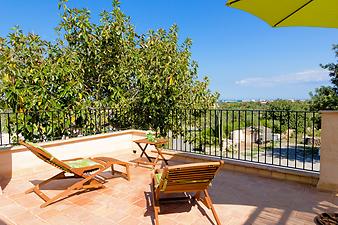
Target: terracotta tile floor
x,y
238,198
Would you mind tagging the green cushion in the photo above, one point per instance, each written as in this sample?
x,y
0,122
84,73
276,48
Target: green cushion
x,y
39,147
80,163
158,178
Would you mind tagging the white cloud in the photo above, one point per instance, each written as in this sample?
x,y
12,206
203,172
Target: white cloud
x,y
309,76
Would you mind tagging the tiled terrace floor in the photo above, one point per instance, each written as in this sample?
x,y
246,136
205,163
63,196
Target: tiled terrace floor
x,y
238,198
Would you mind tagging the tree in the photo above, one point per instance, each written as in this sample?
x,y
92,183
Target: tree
x,y
333,70
105,54
326,97
37,75
167,79
148,74
144,76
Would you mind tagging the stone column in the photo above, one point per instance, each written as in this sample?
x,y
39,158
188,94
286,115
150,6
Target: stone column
x,y
328,179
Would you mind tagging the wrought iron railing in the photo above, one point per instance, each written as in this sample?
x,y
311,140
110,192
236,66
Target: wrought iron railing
x,y
279,138
60,124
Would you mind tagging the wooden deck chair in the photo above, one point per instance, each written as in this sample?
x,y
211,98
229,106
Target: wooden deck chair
x,y
193,177
88,169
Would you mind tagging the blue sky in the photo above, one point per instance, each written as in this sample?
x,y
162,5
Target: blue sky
x,y
243,57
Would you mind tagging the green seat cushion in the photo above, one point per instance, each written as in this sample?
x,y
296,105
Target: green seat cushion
x,y
157,179
80,163
39,147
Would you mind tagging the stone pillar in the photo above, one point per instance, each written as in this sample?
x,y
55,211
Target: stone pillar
x,y
328,179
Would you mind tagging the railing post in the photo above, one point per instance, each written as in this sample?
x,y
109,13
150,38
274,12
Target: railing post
x,y
328,179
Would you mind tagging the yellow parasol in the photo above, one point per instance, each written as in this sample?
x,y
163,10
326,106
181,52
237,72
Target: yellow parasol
x,y
283,13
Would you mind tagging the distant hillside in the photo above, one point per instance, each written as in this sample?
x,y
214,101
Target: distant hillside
x,y
278,104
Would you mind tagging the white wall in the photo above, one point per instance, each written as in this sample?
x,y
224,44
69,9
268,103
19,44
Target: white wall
x,y
19,161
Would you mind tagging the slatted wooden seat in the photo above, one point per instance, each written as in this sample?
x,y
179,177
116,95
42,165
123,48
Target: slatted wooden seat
x,y
193,177
87,169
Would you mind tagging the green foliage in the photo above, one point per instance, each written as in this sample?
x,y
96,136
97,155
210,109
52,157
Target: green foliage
x,y
279,115
202,138
333,70
34,77
278,104
150,137
287,105
283,119
243,105
234,122
326,97
101,65
167,79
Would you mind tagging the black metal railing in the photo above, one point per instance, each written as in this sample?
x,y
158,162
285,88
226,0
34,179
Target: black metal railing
x,y
61,124
279,138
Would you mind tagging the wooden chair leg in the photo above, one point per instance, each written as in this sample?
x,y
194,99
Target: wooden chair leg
x,y
59,196
209,202
30,190
112,169
155,202
197,196
77,186
92,184
40,193
160,154
127,172
156,209
112,162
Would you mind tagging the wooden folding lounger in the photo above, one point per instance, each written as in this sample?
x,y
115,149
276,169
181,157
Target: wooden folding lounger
x,y
193,177
88,169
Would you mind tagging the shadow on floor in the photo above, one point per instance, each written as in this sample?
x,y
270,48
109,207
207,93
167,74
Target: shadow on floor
x,y
173,207
62,184
3,222
5,169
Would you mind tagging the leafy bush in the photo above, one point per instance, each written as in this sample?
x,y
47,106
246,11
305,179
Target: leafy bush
x,y
145,76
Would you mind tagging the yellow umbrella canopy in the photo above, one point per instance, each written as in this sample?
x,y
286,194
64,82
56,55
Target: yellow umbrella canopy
x,y
283,13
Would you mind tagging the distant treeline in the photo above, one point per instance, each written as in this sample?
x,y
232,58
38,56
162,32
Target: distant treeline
x,y
279,104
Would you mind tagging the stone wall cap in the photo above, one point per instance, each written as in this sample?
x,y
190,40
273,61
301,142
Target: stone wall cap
x,y
20,148
328,111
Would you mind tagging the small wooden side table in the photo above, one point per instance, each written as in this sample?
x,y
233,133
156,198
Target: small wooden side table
x,y
156,144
